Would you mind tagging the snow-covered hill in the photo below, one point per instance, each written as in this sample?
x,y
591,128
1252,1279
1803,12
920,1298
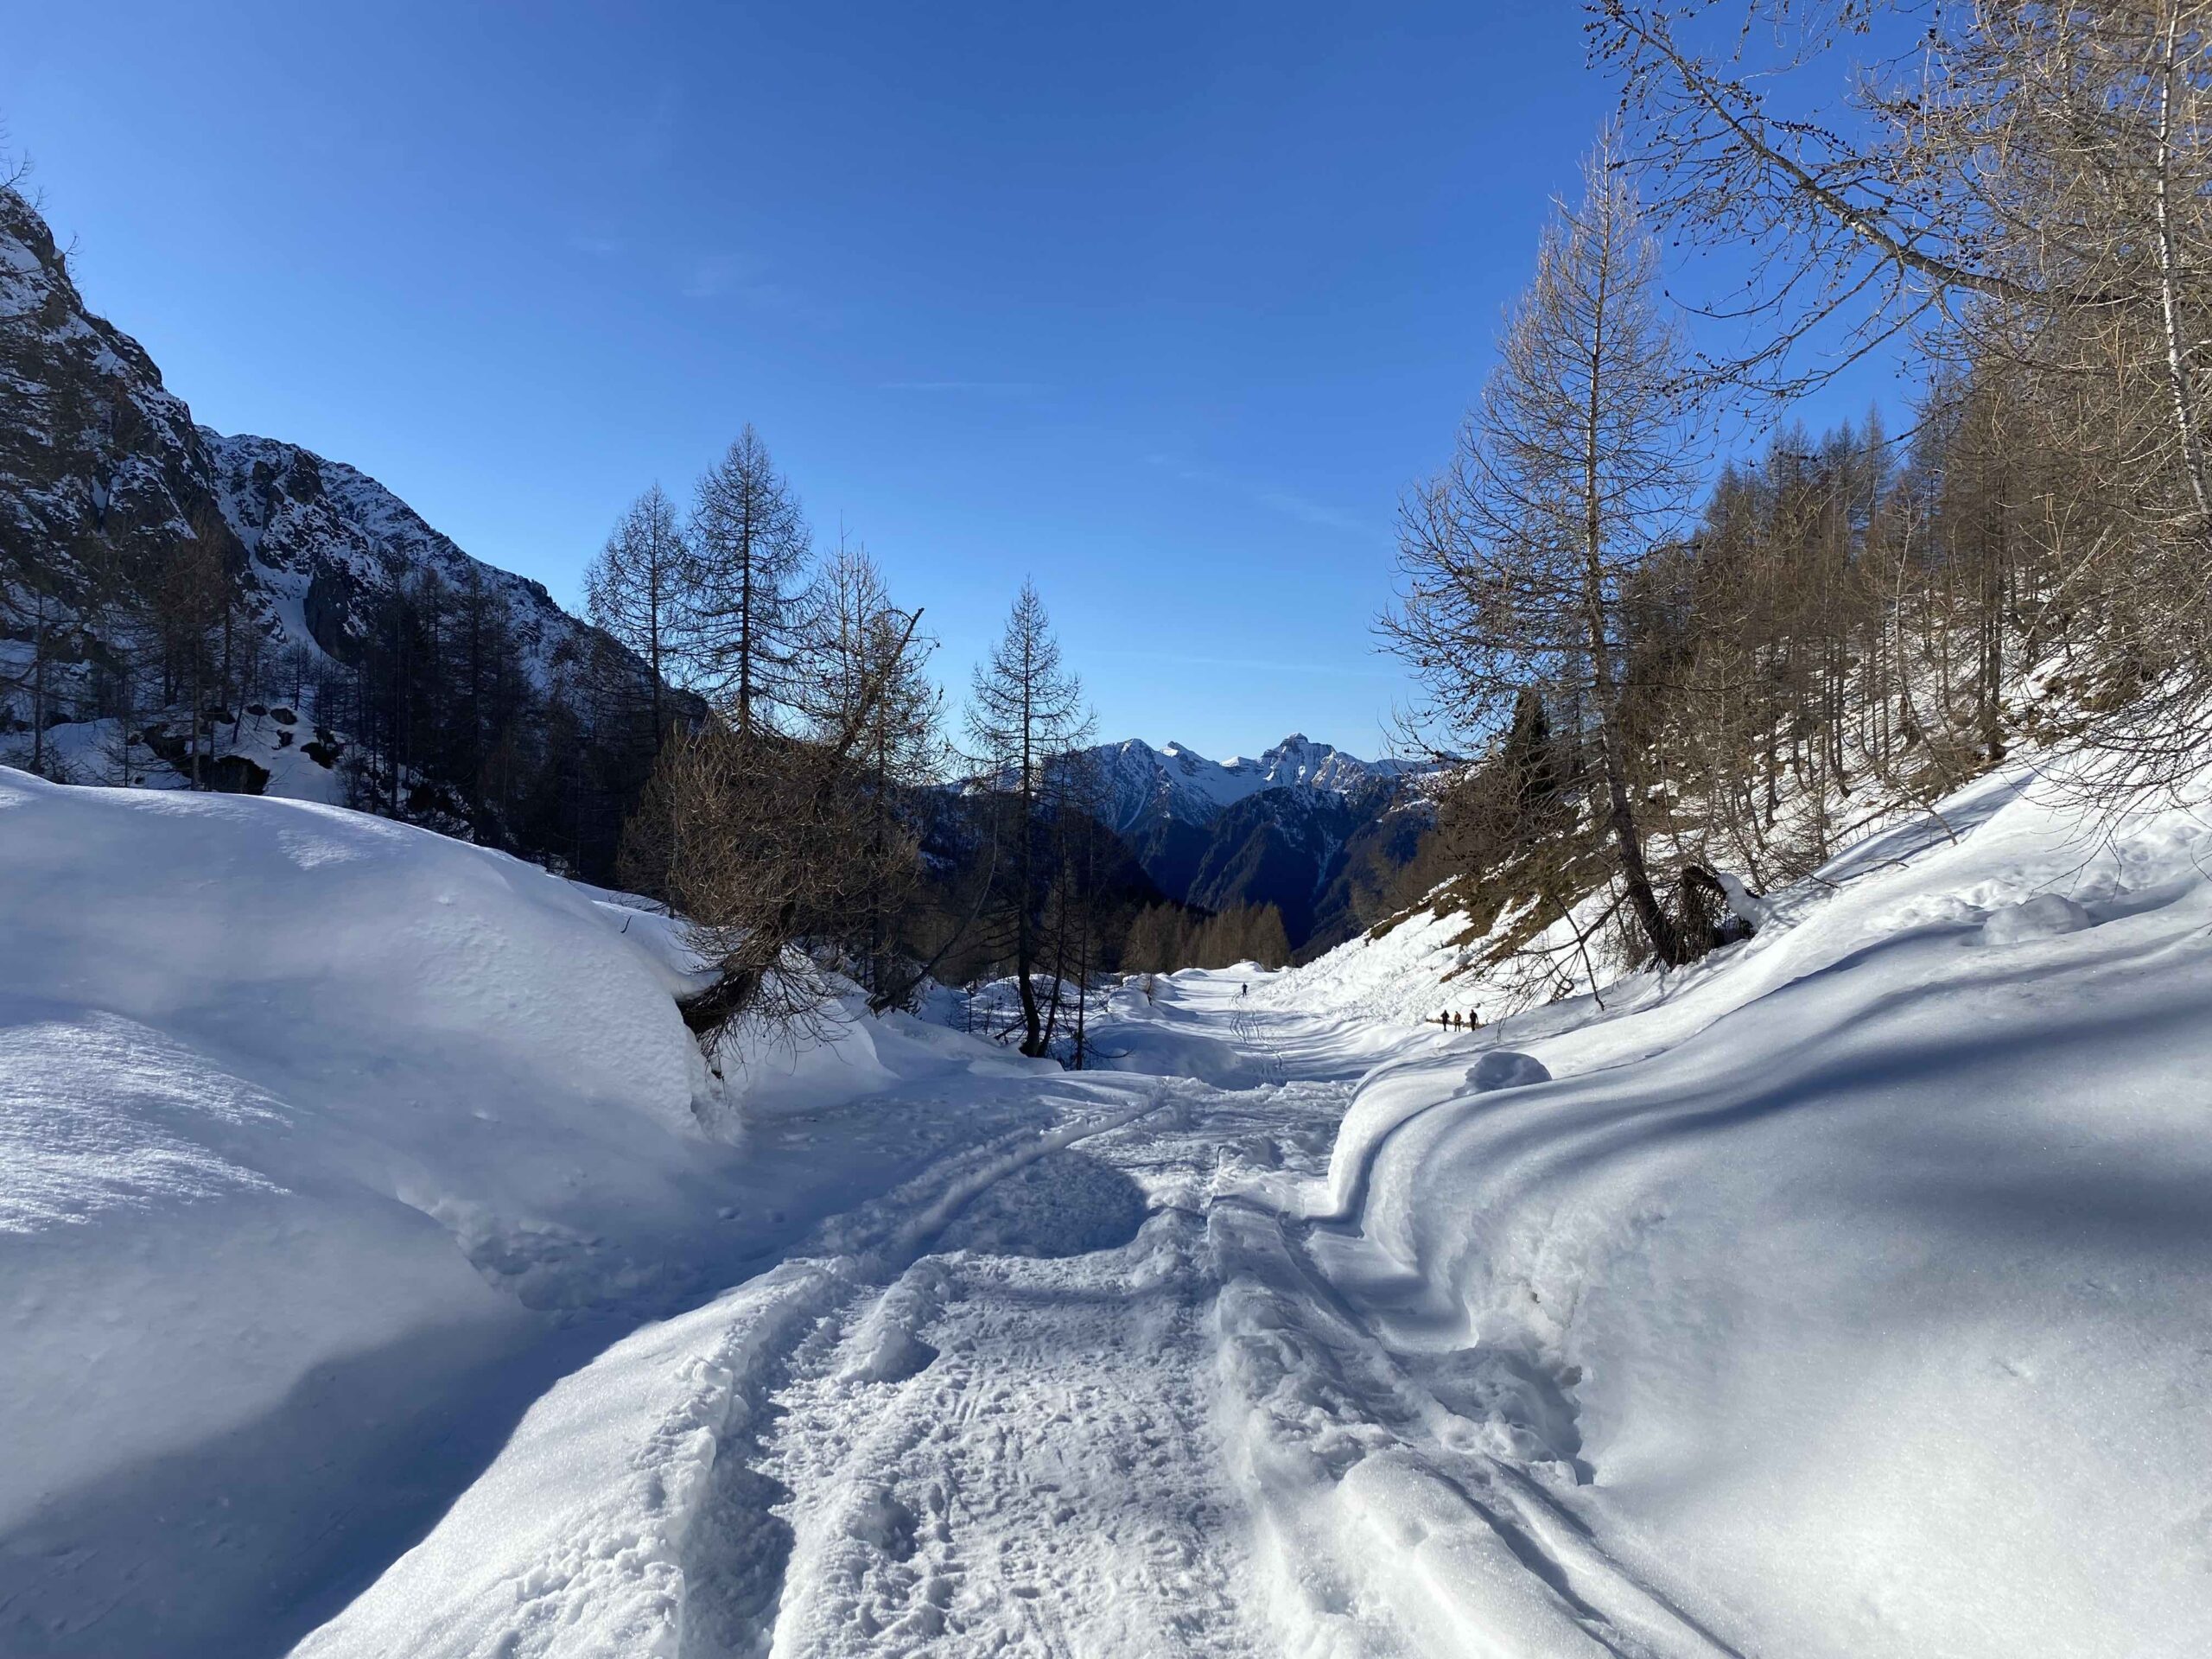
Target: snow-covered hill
x,y
1841,1295
325,1143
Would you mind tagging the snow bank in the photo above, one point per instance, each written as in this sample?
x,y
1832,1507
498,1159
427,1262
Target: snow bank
x,y
313,1127
248,1045
632,1480
1845,1293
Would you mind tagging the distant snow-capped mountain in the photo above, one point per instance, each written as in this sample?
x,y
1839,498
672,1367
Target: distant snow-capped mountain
x,y
1146,784
1286,828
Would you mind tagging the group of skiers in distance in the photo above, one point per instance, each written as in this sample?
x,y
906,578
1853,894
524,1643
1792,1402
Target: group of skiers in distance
x,y
1450,1018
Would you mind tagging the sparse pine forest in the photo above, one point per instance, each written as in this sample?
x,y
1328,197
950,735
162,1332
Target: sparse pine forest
x,y
1669,676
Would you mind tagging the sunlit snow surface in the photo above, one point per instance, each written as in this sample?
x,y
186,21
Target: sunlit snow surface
x,y
1843,1295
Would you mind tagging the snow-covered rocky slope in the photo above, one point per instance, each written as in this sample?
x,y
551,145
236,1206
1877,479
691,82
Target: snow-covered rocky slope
x,y
1144,783
326,1143
104,475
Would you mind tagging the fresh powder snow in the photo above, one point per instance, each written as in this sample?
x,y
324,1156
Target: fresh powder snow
x,y
383,1271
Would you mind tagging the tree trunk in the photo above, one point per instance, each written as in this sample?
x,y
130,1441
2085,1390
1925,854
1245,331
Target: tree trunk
x,y
38,689
1611,738
1025,940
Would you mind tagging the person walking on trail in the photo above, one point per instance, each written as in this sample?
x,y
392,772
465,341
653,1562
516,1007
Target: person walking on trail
x,y
1245,990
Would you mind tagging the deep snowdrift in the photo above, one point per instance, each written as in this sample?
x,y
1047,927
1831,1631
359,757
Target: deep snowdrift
x,y
1843,1295
325,1144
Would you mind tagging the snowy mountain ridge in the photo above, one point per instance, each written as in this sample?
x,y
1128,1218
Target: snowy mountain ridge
x,y
1286,828
1176,781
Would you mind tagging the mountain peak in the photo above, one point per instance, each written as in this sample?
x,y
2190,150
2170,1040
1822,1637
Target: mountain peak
x,y
1176,781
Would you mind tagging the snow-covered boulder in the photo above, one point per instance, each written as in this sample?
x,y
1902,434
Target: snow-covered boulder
x,y
1505,1068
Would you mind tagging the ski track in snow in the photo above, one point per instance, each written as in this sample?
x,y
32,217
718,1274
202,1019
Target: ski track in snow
x,y
1067,1394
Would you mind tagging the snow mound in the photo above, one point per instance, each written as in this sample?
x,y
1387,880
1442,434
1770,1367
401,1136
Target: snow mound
x,y
2046,916
1843,1293
1503,1068
307,1117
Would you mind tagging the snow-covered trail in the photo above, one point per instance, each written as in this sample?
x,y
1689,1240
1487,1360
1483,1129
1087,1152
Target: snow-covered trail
x,y
1087,1420
1068,1394
1014,1447
980,1415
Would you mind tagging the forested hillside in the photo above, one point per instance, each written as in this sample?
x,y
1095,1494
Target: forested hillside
x,y
1674,682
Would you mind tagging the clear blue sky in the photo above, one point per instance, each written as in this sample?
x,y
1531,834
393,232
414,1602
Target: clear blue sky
x,y
1165,304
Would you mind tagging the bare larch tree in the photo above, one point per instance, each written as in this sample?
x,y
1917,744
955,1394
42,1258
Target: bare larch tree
x,y
2025,191
749,547
855,650
1570,472
640,589
1024,709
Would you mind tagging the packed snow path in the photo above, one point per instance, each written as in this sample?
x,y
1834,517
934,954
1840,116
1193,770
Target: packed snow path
x,y
981,1416
1058,1397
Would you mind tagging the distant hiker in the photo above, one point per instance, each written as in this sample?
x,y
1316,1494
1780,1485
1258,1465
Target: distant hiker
x,y
1474,1019
1245,990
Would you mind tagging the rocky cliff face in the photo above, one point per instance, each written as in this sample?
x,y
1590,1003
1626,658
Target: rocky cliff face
x,y
99,460
106,483
323,543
